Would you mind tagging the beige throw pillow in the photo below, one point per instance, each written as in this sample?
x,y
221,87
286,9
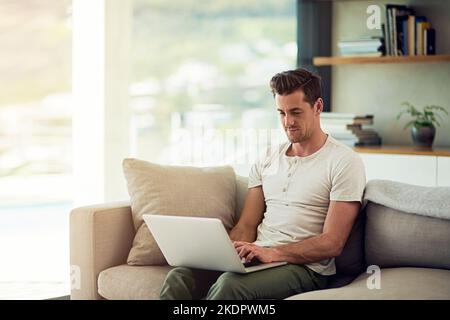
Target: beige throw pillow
x,y
175,190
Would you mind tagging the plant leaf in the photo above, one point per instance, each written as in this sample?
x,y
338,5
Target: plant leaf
x,y
409,124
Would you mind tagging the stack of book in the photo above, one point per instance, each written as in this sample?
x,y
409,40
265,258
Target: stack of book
x,y
406,33
372,47
350,129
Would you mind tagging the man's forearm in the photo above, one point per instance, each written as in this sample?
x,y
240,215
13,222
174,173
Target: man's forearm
x,y
239,233
310,250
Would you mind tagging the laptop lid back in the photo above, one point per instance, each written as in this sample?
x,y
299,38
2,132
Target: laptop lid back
x,y
194,242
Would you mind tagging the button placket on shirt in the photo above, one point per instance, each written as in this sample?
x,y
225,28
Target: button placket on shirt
x,y
290,173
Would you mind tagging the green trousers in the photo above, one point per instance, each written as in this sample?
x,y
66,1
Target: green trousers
x,y
273,283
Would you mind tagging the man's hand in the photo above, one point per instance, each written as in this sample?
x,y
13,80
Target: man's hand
x,y
249,251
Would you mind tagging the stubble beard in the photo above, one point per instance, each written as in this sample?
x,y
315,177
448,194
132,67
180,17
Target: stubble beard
x,y
299,136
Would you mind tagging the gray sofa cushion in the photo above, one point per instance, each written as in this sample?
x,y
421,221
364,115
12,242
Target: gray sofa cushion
x,y
396,284
351,261
397,239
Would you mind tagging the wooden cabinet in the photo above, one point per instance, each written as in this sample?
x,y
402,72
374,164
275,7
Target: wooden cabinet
x,y
407,164
443,171
412,169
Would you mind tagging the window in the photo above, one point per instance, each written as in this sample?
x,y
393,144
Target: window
x,y
35,142
200,74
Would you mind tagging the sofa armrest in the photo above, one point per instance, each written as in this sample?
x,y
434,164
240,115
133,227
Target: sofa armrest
x,y
100,237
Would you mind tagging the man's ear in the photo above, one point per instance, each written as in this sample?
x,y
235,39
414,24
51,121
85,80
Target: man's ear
x,y
319,106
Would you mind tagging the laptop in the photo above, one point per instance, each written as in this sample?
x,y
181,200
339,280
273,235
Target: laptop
x,y
201,243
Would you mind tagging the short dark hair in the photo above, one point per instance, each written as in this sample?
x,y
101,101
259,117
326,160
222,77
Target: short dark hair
x,y
286,82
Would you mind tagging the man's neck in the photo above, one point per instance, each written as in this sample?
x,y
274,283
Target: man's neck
x,y
308,147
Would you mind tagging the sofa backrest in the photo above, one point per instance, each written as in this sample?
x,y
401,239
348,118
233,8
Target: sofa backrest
x,y
397,239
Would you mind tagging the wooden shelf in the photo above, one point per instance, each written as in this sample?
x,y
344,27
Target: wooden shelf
x,y
410,150
327,61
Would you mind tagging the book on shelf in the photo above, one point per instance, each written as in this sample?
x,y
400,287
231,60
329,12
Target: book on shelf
x,y
430,41
343,121
342,135
395,19
411,35
374,142
363,132
405,38
387,35
401,21
403,33
356,142
368,42
350,131
363,54
421,26
383,48
362,47
340,115
406,34
349,128
391,19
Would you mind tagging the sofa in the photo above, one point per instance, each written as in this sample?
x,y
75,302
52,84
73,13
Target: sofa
x,y
390,253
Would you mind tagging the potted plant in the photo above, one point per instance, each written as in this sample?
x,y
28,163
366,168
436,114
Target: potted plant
x,y
423,129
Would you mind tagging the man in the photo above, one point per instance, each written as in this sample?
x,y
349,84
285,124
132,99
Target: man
x,y
302,201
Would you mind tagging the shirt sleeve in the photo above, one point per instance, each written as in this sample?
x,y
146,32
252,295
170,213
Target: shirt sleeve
x,y
348,179
267,164
255,175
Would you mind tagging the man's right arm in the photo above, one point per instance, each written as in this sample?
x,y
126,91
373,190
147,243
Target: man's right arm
x,y
251,216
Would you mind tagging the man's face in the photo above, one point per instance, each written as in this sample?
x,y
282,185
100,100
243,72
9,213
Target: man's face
x,y
298,118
